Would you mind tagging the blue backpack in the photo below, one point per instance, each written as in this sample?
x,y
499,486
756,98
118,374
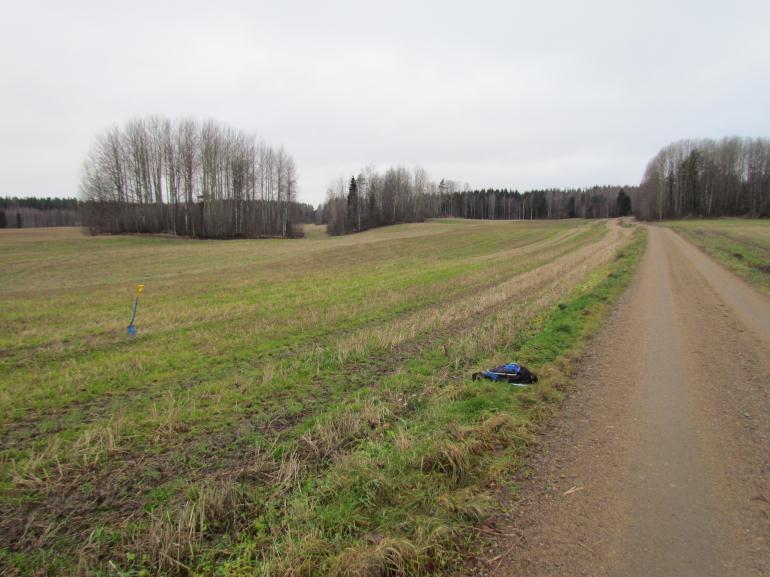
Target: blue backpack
x,y
511,373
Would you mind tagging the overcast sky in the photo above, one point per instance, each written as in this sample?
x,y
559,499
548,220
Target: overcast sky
x,y
498,94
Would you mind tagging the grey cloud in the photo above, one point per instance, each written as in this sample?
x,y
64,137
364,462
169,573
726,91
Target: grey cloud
x,y
515,94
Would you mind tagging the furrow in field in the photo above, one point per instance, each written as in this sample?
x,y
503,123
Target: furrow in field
x,y
401,329
523,294
205,311
70,342
566,267
516,318
470,284
512,301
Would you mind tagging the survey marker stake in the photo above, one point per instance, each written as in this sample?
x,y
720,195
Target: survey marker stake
x,y
131,326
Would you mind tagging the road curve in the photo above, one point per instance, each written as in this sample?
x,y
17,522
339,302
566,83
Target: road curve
x,y
658,465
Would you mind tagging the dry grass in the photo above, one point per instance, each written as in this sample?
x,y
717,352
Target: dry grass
x,y
337,432
172,539
384,558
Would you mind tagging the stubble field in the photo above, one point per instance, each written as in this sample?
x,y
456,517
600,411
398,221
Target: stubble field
x,y
289,407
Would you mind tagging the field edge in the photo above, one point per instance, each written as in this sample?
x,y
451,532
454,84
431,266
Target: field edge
x,y
748,260
587,314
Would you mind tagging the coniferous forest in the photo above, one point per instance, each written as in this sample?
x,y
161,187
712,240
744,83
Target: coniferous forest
x,y
29,212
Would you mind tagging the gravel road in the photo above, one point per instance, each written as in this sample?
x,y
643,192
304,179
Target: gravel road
x,y
658,464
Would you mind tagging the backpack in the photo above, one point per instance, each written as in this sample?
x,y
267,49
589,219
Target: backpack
x,y
512,373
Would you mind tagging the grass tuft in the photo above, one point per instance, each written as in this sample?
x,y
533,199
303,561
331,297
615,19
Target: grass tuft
x,y
386,557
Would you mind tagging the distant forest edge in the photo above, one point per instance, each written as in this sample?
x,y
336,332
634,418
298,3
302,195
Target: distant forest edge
x,y
18,212
33,212
399,194
689,178
204,180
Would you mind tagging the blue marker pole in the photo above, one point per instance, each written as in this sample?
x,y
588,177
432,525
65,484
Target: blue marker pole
x,y
131,327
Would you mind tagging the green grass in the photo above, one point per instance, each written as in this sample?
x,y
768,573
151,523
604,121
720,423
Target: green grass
x,y
289,406
741,244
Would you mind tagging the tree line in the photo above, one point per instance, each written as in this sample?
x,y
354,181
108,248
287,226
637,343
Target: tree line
x,y
47,203
16,212
374,199
205,180
306,213
201,180
504,204
688,178
707,178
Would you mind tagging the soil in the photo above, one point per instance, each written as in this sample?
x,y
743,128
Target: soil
x,y
658,464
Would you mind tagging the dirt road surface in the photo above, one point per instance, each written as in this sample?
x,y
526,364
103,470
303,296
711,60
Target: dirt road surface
x,y
658,465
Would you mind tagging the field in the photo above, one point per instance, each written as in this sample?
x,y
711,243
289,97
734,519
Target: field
x,y
288,407
742,244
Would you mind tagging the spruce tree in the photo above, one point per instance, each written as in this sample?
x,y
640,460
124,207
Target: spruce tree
x,y
352,212
623,203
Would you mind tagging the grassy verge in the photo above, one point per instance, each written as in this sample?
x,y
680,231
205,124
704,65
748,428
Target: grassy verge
x,y
743,245
367,451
